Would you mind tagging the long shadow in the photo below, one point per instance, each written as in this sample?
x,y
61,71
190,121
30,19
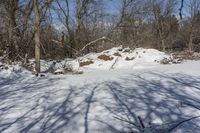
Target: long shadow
x,y
7,125
165,98
89,101
44,116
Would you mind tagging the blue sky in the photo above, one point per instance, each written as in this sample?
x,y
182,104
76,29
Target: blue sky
x,y
113,7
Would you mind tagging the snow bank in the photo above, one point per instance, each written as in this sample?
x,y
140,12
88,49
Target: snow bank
x,y
115,58
124,58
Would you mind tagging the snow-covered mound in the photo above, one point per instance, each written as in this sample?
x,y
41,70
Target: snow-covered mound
x,y
118,58
115,58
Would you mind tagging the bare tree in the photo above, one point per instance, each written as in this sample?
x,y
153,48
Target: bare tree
x,y
11,8
191,25
194,6
37,35
162,10
37,29
81,27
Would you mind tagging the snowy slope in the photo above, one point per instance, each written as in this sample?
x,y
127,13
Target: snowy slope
x,y
120,58
92,102
125,58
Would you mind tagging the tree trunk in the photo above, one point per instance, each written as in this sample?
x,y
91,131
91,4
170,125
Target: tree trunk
x,y
37,36
78,16
163,45
78,25
13,31
190,46
72,44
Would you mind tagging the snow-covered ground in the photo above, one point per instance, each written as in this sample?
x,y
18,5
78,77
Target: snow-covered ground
x,y
94,101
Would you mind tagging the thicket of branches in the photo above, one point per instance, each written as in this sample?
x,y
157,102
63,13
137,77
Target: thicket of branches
x,y
66,28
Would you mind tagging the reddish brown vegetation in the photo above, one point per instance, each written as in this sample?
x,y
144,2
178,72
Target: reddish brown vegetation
x,y
105,57
86,63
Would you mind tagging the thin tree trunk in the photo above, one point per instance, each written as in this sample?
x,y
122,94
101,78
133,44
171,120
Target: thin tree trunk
x,y
163,45
78,17
37,36
190,49
78,25
190,45
161,36
13,31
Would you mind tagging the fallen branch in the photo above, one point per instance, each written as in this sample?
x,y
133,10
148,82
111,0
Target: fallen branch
x,y
95,41
88,44
112,67
76,51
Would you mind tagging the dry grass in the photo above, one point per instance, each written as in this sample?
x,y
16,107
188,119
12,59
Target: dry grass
x,y
105,57
86,63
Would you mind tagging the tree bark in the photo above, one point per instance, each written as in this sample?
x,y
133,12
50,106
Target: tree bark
x,y
163,45
13,31
37,36
190,45
78,16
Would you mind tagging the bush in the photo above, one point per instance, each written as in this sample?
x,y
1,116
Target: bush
x,y
117,54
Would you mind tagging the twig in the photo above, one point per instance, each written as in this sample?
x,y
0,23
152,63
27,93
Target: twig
x,y
6,55
43,48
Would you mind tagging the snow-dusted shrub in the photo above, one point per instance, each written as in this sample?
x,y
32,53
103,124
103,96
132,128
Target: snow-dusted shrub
x,y
165,61
129,59
126,50
117,54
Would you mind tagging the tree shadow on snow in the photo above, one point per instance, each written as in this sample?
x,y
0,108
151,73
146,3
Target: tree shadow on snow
x,y
45,114
162,102
169,100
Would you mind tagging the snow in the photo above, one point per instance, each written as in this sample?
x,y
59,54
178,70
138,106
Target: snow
x,y
93,102
140,58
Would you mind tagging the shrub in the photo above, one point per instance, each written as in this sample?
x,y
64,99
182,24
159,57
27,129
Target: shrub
x,y
117,54
129,59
